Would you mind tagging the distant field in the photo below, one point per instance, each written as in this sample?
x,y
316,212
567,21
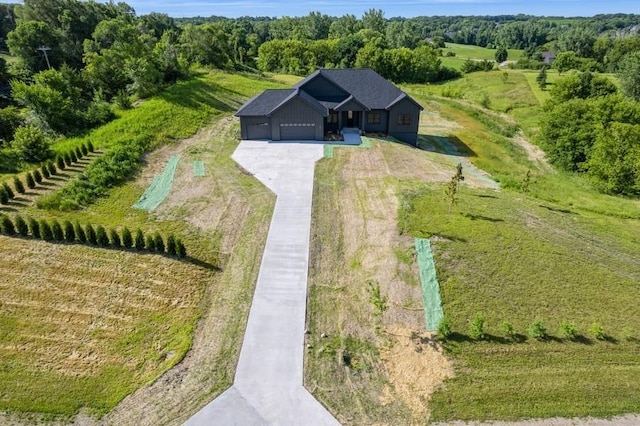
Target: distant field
x,y
464,52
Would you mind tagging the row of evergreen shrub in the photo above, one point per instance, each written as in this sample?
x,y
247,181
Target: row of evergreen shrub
x,y
94,235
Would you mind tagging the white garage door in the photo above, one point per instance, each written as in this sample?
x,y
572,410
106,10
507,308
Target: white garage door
x,y
298,131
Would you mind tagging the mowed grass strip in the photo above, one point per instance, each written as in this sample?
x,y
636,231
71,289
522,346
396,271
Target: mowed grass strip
x,y
517,260
92,324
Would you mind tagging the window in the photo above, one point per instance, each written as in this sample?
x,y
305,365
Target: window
x,y
333,118
404,119
373,118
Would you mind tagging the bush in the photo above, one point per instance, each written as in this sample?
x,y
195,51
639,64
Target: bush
x,y
122,100
139,240
73,157
56,230
508,329
60,163
597,331
101,236
476,329
8,190
32,144
537,330
44,170
149,242
181,250
21,226
568,330
90,147
79,153
445,327
114,237
171,245
31,183
69,232
6,225
79,231
45,230
158,242
127,240
34,227
18,185
67,159
90,233
4,197
84,150
52,168
37,176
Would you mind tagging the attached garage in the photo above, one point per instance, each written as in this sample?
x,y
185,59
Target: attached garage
x,y
260,130
304,131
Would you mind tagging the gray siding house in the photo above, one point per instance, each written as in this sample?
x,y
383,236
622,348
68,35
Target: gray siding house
x,y
329,101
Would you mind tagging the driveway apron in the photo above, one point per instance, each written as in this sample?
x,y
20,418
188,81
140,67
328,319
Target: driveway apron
x,y
268,384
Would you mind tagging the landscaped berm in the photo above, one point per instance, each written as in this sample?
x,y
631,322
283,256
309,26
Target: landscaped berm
x,y
538,272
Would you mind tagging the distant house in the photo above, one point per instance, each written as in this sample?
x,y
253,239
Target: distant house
x,y
329,101
548,57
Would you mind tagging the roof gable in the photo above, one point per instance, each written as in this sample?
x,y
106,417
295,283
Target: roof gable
x,y
271,100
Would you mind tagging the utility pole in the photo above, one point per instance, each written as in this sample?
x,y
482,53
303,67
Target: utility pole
x,y
44,50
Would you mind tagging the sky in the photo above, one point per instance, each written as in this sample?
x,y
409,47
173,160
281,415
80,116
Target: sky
x,y
391,8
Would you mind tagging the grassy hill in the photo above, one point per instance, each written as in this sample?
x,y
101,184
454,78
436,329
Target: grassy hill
x,y
464,52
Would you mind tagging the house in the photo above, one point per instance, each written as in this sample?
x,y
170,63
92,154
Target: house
x,y
548,57
330,101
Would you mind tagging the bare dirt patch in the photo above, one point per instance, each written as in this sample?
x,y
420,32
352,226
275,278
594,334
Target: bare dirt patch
x,y
534,153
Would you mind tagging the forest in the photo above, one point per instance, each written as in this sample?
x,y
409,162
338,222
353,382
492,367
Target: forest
x,y
69,65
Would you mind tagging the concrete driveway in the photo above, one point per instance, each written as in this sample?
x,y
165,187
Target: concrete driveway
x,y
268,384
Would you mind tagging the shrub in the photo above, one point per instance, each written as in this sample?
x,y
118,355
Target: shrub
x,y
90,233
114,237
101,236
6,225
84,150
8,189
56,230
181,250
4,197
122,100
171,245
44,170
149,243
508,329
37,176
34,227
60,163
31,183
79,231
21,226
79,153
597,331
127,240
90,147
476,329
139,240
158,242
52,168
69,232
445,327
45,230
568,330
67,159
17,183
31,144
73,157
537,330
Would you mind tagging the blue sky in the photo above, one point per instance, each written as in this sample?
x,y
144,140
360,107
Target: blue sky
x,y
391,8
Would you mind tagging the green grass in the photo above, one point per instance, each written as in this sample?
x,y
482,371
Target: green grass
x,y
464,52
7,57
76,356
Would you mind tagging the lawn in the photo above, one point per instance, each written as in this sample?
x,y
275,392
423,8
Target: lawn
x,y
103,323
464,52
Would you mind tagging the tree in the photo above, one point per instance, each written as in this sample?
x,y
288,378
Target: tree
x,y
69,232
21,225
79,231
501,55
31,183
181,250
4,197
114,237
44,171
37,176
139,240
90,233
52,168
127,240
45,230
56,230
101,236
149,242
18,185
10,120
565,61
6,225
60,163
541,79
8,190
32,144
171,245
158,242
373,19
90,147
629,75
34,227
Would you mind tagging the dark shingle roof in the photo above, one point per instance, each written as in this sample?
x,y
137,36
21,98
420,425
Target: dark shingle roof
x,y
367,86
264,103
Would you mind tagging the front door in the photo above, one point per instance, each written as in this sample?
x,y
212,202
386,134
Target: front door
x,y
351,119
